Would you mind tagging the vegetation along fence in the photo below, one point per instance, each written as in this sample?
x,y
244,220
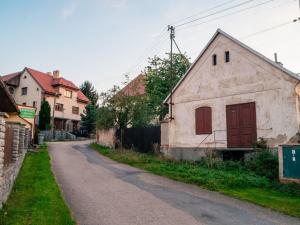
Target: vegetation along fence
x,y
144,139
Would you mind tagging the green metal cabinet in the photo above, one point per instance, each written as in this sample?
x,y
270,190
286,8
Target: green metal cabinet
x,y
291,161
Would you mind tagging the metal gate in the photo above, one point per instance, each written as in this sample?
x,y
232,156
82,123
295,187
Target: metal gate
x,y
8,145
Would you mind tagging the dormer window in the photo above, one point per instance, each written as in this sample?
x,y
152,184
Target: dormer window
x,y
214,59
227,57
68,94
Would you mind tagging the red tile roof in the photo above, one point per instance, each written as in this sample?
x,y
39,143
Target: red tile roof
x,y
82,97
10,76
48,83
135,87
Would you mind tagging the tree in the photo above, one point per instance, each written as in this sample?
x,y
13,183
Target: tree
x,y
121,110
90,92
44,116
88,118
160,80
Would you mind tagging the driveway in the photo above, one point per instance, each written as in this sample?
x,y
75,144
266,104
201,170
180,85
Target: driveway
x,y
100,191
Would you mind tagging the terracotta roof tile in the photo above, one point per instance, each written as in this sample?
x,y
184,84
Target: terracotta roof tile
x,y
82,97
10,76
136,86
48,83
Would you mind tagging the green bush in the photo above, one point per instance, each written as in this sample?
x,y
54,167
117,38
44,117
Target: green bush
x,y
263,163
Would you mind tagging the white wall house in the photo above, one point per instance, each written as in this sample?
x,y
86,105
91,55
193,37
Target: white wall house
x,y
231,96
29,87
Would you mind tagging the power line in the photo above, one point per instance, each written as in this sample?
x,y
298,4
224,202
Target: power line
x,y
271,28
204,11
157,42
229,14
220,11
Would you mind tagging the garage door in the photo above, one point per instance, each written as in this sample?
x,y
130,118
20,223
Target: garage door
x,y
241,125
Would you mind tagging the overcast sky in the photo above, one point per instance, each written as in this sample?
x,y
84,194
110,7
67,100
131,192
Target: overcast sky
x,y
101,40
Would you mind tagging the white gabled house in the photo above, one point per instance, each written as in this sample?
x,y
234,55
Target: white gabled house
x,y
231,96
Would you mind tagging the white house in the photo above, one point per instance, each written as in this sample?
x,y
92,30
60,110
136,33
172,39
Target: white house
x,y
30,87
230,96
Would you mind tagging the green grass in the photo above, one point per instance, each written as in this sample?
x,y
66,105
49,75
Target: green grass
x,y
235,182
36,198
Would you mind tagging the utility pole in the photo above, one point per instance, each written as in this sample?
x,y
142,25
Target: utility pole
x,y
172,36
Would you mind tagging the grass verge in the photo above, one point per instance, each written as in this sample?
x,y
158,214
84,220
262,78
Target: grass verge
x,y
36,198
235,182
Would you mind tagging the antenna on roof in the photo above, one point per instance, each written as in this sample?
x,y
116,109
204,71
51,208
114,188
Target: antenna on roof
x,y
276,60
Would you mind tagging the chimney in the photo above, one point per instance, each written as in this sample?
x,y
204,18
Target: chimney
x,y
49,73
56,74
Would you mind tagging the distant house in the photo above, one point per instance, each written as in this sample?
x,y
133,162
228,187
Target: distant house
x,y
29,87
231,96
135,87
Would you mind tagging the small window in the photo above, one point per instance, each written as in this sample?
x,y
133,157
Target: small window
x,y
24,91
59,107
214,59
75,110
24,103
37,89
25,77
11,90
203,120
227,57
68,94
34,103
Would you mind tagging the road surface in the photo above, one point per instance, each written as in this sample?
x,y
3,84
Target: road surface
x,y
100,191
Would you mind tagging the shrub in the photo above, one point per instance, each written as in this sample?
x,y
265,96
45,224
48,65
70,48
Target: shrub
x,y
263,163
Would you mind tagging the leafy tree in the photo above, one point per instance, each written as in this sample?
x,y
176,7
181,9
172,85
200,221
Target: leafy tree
x,y
88,118
90,92
44,116
105,117
160,80
123,109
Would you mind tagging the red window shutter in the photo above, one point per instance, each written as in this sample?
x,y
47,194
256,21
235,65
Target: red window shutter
x,y
203,120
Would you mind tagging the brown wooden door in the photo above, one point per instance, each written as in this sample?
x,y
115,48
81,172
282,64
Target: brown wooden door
x,y
241,125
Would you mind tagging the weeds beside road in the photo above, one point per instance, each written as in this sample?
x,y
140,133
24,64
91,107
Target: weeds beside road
x,y
36,198
229,178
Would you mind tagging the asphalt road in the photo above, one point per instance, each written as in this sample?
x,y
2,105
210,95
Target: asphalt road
x,y
103,192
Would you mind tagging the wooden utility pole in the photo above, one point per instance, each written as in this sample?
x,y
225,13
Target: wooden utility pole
x,y
172,36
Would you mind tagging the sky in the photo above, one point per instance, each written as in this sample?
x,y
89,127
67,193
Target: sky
x,y
102,40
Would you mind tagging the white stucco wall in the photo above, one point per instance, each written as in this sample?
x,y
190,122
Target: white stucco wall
x,y
34,91
68,103
246,78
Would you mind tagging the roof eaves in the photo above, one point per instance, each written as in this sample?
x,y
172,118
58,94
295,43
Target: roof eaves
x,y
2,84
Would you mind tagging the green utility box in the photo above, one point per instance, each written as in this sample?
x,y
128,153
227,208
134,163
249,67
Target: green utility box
x,y
289,163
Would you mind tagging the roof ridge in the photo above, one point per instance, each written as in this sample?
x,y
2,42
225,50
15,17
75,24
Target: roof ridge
x,y
241,44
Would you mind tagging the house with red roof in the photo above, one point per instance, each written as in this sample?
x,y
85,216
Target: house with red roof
x,y
29,87
135,87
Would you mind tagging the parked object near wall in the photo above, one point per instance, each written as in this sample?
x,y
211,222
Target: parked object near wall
x,y
289,163
40,138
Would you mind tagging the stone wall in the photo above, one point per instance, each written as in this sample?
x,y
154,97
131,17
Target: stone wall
x,y
59,135
20,143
